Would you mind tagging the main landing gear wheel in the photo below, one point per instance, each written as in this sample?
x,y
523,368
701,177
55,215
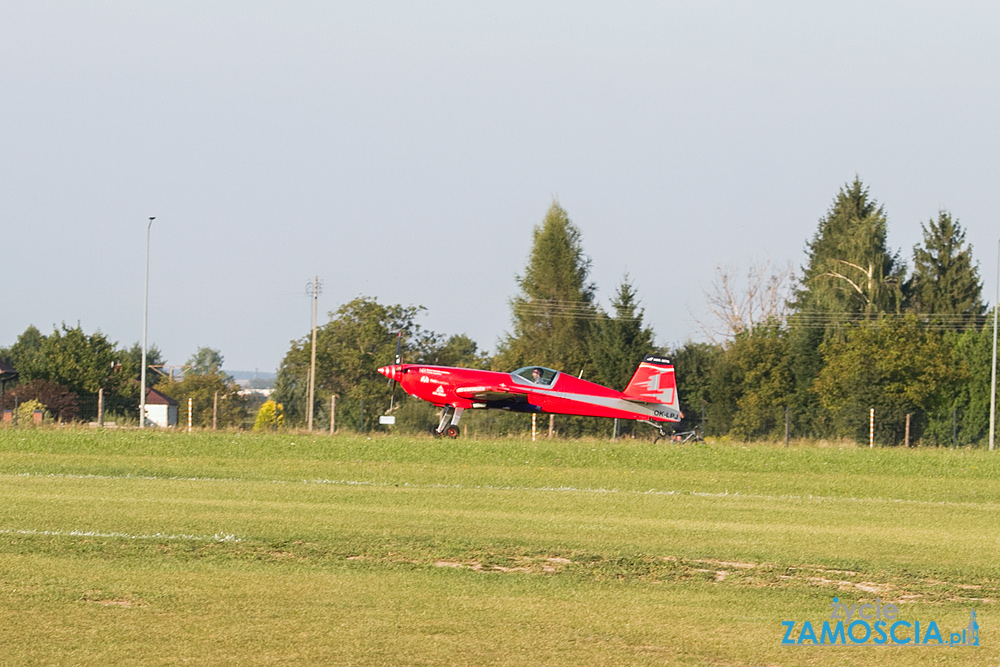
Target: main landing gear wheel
x,y
449,422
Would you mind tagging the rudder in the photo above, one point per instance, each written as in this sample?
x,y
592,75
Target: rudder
x,y
653,382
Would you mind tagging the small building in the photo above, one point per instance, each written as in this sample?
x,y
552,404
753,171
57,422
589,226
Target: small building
x,y
161,410
7,374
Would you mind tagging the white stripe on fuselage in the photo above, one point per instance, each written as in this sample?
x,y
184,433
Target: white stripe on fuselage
x,y
653,410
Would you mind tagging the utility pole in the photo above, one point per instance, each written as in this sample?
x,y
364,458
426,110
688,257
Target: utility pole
x,y
333,413
314,287
993,380
145,317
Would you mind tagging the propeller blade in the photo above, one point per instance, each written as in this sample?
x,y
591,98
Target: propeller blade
x,y
392,380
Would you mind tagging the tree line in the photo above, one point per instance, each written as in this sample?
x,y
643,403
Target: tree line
x,y
858,329
63,374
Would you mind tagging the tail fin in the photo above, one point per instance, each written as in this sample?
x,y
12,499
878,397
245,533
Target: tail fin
x,y
653,382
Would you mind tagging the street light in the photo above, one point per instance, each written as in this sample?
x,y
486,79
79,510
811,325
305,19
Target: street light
x,y
145,317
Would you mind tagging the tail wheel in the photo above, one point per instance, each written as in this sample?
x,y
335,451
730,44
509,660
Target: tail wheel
x,y
451,431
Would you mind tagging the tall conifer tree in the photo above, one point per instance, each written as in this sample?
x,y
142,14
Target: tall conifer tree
x,y
945,282
850,273
553,314
850,268
619,343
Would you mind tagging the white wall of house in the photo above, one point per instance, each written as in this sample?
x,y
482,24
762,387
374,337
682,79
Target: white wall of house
x,y
161,415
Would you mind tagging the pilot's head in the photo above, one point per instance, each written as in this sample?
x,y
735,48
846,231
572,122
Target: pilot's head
x,y
536,374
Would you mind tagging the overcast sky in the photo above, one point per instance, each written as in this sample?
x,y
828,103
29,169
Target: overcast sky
x,y
405,151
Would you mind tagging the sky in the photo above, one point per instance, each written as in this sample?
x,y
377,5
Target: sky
x,y
406,151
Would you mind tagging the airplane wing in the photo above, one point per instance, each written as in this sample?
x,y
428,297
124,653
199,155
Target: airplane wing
x,y
491,394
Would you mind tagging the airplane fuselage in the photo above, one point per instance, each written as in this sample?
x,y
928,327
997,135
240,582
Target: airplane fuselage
x,y
553,392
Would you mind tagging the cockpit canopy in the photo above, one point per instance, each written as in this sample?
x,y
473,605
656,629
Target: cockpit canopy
x,y
537,375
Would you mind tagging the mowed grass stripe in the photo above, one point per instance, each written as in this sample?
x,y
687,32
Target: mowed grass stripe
x,y
945,484
552,489
442,522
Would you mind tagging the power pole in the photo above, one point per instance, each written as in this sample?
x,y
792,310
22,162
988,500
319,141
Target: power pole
x,y
145,318
993,377
333,413
314,286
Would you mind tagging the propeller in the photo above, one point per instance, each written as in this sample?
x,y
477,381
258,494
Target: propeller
x,y
392,377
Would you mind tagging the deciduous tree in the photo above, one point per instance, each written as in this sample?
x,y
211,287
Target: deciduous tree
x,y
893,365
360,337
270,417
969,398
738,303
62,403
761,357
212,395
206,361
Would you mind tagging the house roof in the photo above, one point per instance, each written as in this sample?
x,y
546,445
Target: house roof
x,y
7,372
154,397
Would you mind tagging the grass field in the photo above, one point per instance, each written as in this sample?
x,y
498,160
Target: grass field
x,y
214,548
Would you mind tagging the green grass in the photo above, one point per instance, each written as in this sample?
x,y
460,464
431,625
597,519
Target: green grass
x,y
152,547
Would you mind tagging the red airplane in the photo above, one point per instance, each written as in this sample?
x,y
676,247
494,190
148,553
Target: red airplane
x,y
651,395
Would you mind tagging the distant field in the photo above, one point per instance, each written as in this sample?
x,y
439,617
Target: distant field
x,y
207,548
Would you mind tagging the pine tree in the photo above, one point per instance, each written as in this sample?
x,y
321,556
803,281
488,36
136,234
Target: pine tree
x,y
696,365
552,315
619,343
850,273
850,268
945,282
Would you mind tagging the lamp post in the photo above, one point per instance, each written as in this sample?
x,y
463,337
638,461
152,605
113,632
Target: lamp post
x,y
145,317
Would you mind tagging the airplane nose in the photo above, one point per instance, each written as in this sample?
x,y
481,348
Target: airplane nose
x,y
390,372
